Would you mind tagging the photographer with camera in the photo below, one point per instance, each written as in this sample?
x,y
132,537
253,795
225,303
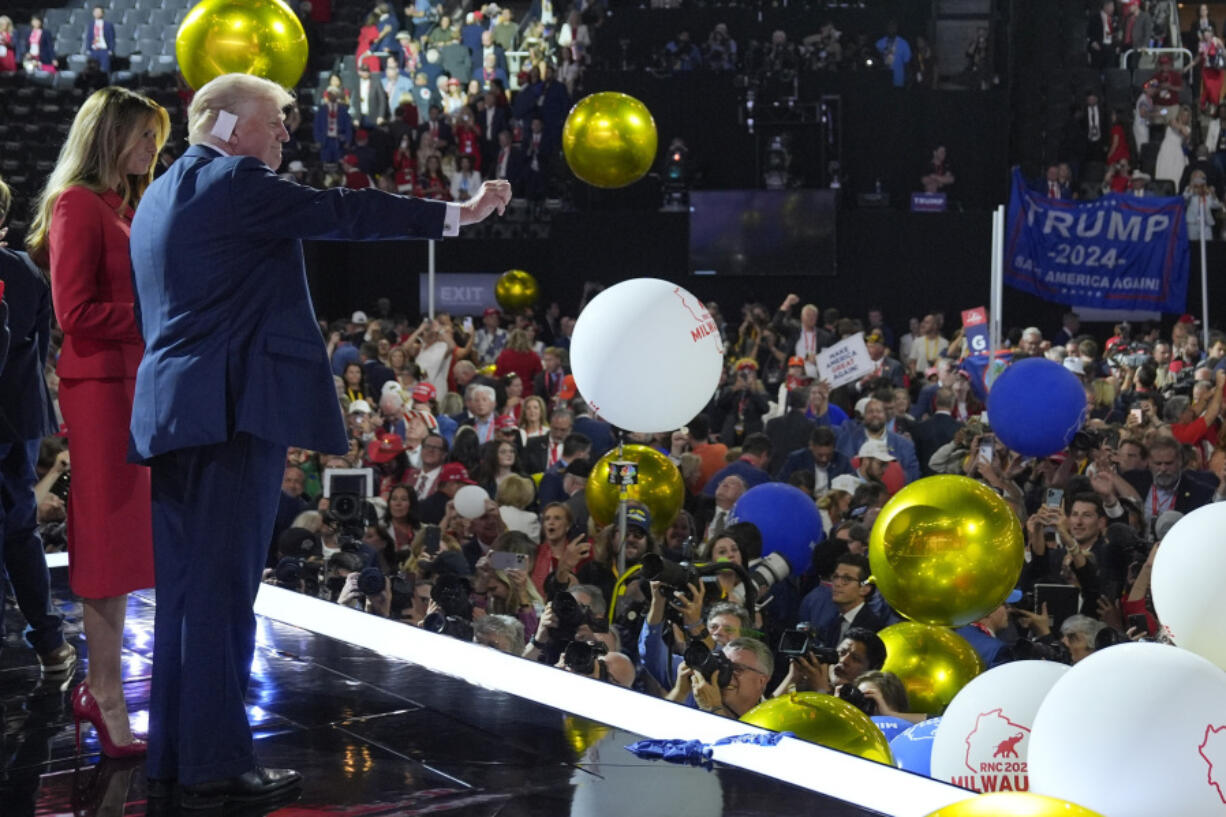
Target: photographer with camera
x,y
369,590
814,668
570,615
681,611
732,684
593,658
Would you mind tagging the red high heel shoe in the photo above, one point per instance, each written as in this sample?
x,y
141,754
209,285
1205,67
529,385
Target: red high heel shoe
x,y
85,708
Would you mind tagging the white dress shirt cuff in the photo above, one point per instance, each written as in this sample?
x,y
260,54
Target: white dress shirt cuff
x,y
451,220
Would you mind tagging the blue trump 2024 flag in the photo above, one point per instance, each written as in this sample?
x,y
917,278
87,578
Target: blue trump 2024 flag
x,y
1117,252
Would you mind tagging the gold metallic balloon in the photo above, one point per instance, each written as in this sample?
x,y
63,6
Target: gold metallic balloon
x,y
946,550
609,139
660,487
260,37
934,663
516,290
823,719
1013,804
489,370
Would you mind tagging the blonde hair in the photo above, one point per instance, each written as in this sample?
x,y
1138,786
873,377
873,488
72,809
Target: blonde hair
x,y
93,156
229,92
518,341
516,491
6,200
6,23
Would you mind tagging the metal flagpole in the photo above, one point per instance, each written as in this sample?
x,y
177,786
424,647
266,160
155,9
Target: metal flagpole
x,y
623,497
1205,223
430,279
996,297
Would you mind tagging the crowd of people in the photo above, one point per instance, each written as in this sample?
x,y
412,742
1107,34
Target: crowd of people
x,y
447,98
450,402
909,62
1177,112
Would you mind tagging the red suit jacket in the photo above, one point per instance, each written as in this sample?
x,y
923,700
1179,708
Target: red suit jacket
x,y
97,312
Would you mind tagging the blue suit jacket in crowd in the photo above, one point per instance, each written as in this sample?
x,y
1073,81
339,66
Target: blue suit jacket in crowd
x,y
802,460
991,649
26,411
852,436
46,47
344,124
231,342
108,34
599,432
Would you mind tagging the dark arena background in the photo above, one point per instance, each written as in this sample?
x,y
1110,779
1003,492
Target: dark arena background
x,y
866,186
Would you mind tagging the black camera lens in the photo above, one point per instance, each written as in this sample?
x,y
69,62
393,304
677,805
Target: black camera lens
x,y
289,572
371,581
580,656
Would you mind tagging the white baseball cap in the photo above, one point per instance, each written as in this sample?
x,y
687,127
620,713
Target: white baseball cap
x,y
845,483
876,450
358,317
360,407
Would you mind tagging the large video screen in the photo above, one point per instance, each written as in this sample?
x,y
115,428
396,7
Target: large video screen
x,y
762,232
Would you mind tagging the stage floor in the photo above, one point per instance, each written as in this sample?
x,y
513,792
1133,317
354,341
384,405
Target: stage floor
x,y
371,736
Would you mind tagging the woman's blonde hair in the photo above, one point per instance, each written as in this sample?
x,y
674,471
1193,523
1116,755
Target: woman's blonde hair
x,y
516,491
93,156
519,341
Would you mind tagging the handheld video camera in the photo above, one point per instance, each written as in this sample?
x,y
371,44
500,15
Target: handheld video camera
x,y
800,641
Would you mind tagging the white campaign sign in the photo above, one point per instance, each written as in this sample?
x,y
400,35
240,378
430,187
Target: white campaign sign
x,y
845,362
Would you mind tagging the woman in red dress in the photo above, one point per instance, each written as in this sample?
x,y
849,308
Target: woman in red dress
x,y
80,233
519,358
368,38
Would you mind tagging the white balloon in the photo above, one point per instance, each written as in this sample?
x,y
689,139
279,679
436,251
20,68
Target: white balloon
x,y
646,355
470,501
1160,706
984,736
1189,582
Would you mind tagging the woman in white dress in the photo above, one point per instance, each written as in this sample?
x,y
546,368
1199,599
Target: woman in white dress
x,y
1171,159
431,347
1143,113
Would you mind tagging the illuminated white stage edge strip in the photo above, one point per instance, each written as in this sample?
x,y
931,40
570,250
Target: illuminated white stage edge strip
x,y
871,785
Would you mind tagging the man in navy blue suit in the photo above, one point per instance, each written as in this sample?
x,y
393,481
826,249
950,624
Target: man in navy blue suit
x,y
229,330
100,39
820,457
26,416
598,431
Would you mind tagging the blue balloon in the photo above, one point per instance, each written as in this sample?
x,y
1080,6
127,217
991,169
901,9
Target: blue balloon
x,y
912,749
1036,406
787,518
891,727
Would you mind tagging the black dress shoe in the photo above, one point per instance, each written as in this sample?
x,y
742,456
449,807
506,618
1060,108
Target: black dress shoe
x,y
255,786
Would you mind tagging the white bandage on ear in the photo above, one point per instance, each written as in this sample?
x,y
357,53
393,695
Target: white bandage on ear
x,y
223,128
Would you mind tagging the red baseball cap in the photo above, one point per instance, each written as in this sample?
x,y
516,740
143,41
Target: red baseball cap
x,y
385,448
424,392
1187,319
796,361
454,472
361,134
505,422
351,159
425,416
489,310
568,389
